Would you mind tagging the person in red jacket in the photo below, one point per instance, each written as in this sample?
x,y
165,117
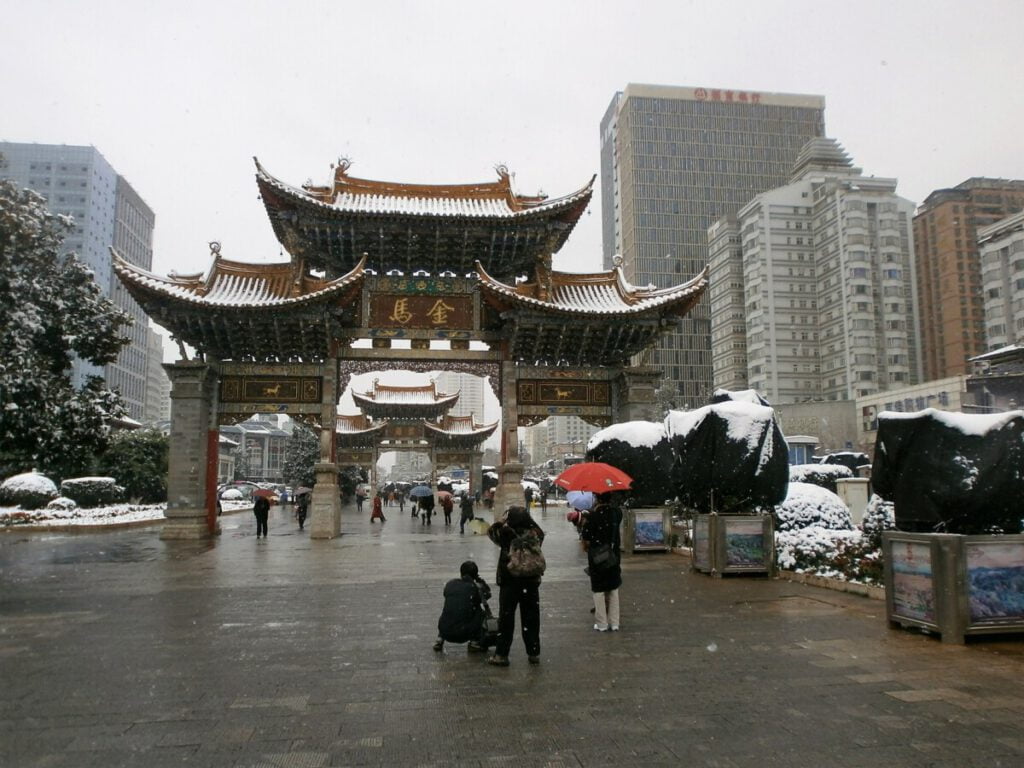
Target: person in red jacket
x,y
378,508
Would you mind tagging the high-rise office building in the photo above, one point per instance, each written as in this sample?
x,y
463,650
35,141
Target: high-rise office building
x,y
1001,252
158,385
673,161
471,394
949,278
79,182
813,292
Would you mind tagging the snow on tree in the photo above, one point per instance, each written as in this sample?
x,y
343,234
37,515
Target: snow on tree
x,y
301,452
50,309
641,450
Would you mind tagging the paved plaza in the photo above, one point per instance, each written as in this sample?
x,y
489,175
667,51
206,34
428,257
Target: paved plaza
x,y
118,649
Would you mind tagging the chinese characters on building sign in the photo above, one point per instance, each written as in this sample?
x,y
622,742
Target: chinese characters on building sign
x,y
717,94
434,312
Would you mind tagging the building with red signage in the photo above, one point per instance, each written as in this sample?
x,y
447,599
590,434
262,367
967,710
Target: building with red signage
x,y
673,161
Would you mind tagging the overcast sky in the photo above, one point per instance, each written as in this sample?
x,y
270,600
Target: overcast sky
x,y
179,96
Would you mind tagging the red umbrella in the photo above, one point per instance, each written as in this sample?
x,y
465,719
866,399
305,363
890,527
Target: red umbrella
x,y
594,476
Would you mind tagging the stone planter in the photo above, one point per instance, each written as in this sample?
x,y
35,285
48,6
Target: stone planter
x,y
952,585
734,544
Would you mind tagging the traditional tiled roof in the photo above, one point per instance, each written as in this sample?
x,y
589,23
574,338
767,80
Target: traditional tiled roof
x,y
459,430
599,293
585,319
356,430
410,402
240,309
435,227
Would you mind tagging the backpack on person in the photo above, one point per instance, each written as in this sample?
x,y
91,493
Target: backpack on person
x,y
525,558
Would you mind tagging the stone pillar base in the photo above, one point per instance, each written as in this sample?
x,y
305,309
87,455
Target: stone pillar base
x,y
325,508
187,524
509,492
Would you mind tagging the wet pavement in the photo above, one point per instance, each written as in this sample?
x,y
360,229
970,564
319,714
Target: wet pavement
x,y
118,649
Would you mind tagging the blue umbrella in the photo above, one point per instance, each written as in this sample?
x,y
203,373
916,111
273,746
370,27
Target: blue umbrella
x,y
582,500
420,491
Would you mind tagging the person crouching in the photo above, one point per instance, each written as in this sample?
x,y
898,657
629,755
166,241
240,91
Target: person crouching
x,y
462,618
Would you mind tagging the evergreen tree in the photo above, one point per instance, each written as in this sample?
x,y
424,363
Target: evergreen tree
x,y
50,309
301,452
241,460
138,461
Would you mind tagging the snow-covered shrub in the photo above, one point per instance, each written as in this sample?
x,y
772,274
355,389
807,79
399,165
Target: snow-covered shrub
x,y
823,475
808,505
231,494
879,515
845,555
92,491
62,504
30,490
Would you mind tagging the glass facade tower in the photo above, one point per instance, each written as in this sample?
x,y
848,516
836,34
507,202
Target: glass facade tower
x,y
673,161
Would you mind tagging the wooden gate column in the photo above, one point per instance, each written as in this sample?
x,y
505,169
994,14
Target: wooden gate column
x,y
510,474
193,386
325,509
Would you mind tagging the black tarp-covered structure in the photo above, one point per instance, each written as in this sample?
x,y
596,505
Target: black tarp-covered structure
x,y
730,457
951,472
642,451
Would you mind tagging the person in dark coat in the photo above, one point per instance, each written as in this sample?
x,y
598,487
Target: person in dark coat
x,y
601,526
447,505
465,511
426,508
513,591
261,508
302,510
462,618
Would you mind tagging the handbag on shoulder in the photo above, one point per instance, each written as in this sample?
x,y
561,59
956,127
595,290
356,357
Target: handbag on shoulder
x,y
603,557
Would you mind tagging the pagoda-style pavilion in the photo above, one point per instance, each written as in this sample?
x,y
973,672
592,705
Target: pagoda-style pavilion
x,y
411,418
392,276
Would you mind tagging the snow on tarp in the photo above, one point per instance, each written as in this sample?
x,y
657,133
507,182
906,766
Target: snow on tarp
x,y
641,450
951,472
740,395
733,449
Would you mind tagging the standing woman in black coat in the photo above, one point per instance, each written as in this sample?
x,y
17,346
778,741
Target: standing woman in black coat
x,y
523,592
602,527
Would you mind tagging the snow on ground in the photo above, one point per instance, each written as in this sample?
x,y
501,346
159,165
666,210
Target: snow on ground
x,y
113,514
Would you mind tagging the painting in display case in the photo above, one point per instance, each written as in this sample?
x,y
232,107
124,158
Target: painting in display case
x,y
649,529
913,591
995,575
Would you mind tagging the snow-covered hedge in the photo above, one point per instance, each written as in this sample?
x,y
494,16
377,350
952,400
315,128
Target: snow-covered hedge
x,y
809,505
92,491
231,494
823,475
879,515
30,490
844,555
62,504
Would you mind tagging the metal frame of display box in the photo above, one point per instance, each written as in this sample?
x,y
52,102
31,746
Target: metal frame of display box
x,y
716,540
954,585
648,541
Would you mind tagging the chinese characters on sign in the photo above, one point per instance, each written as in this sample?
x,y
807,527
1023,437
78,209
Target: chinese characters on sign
x,y
717,94
431,312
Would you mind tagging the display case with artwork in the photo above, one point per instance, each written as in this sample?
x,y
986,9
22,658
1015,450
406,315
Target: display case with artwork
x,y
648,528
953,585
733,544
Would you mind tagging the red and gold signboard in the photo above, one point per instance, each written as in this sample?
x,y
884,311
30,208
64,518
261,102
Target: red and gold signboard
x,y
404,432
415,311
562,392
271,389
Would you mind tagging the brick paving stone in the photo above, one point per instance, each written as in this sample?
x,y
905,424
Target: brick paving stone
x,y
121,649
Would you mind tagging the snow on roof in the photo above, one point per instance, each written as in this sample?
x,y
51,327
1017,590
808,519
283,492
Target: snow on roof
x,y
977,424
642,434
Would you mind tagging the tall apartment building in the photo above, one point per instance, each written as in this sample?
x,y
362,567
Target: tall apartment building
x,y
79,182
813,293
673,161
1001,253
949,271
471,394
158,385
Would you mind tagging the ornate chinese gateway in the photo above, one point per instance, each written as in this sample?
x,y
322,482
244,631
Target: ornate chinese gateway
x,y
389,276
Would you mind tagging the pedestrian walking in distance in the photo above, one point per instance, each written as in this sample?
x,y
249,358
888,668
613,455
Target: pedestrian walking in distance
x,y
302,510
447,505
522,592
378,508
261,508
465,511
